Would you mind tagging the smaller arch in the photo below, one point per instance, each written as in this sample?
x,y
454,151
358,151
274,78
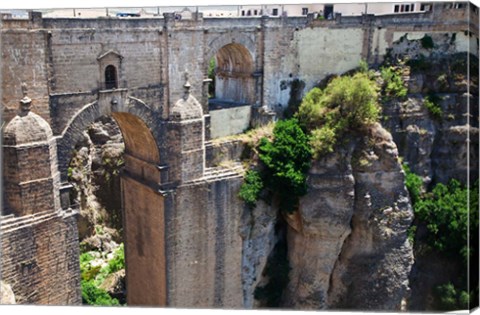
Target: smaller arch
x,y
111,81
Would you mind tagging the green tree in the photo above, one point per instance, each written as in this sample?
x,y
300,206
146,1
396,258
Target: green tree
x,y
287,159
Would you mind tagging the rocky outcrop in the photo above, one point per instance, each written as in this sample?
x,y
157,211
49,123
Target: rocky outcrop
x,y
347,244
6,294
94,172
435,145
259,238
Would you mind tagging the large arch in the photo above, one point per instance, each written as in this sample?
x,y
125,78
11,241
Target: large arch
x,y
142,202
235,68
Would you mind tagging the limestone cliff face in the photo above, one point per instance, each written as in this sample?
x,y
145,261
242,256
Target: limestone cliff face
x,y
435,146
347,244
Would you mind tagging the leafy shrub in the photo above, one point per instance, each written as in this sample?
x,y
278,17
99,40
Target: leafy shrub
x,y
311,113
393,86
449,298
251,188
93,277
431,103
420,64
363,66
414,184
447,215
323,140
93,295
287,159
118,261
347,103
427,42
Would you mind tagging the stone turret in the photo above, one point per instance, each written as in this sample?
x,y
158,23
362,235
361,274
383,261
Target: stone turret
x,y
30,167
187,127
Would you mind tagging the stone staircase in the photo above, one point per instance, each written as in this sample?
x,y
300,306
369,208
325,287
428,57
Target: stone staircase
x,y
218,173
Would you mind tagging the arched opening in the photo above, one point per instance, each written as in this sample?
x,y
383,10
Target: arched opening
x,y
94,173
233,82
111,77
125,159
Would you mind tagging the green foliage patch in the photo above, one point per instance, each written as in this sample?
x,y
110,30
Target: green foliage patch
x,y
393,86
427,42
287,160
93,276
414,184
251,188
449,298
431,103
447,215
93,295
347,103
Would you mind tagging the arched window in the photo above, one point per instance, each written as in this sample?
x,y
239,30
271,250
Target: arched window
x,y
111,77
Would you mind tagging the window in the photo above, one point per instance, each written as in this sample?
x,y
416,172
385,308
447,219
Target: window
x,y
409,7
304,11
275,12
425,7
255,12
249,13
110,77
243,12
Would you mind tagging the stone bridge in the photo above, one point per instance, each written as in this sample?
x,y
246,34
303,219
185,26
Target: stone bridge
x,y
182,216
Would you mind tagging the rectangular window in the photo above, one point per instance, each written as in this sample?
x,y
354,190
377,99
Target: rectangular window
x,y
304,11
249,13
243,12
255,12
275,12
398,8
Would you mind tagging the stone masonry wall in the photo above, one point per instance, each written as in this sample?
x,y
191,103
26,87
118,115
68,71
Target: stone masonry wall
x,y
204,246
40,258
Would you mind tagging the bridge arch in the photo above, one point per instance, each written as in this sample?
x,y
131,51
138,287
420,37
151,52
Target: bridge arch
x,y
143,205
145,117
235,66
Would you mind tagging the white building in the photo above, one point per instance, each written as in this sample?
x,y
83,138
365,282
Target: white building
x,y
328,11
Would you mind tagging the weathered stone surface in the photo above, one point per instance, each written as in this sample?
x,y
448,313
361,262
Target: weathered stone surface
x,y
114,283
6,294
350,232
373,267
435,147
258,235
317,232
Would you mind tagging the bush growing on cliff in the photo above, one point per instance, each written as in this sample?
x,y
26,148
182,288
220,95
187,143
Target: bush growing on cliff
x,y
447,215
414,184
93,295
251,188
287,160
393,86
347,103
431,103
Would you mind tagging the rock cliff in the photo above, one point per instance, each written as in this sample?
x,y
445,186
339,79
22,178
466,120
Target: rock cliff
x,y
347,244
